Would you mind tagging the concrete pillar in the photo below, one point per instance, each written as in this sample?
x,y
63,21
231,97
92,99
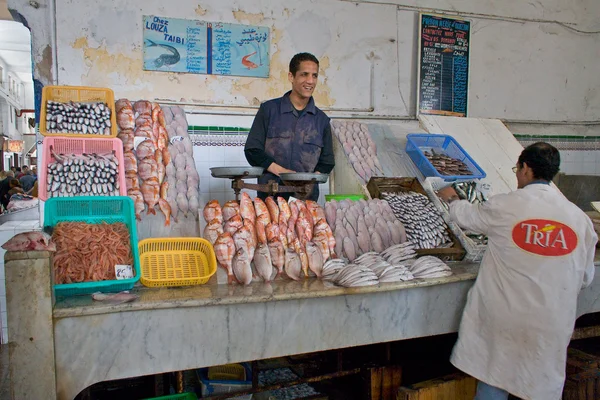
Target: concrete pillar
x,y
29,299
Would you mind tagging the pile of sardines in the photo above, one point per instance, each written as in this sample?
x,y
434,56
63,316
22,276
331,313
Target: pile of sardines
x,y
468,191
423,224
72,175
447,165
82,118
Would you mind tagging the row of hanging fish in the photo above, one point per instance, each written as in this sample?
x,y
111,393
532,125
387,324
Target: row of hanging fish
x,y
272,235
145,153
359,148
70,175
423,223
182,176
395,264
363,226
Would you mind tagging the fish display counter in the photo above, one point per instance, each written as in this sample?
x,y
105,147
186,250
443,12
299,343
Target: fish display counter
x,y
173,329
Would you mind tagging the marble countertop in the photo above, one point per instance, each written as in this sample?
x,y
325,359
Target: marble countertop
x,y
215,294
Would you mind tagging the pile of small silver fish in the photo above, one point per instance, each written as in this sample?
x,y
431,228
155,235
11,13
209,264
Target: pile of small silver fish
x,y
72,175
363,226
447,165
83,118
429,267
468,191
424,225
359,148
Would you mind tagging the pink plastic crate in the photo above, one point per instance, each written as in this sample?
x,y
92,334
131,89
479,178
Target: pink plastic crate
x,y
79,146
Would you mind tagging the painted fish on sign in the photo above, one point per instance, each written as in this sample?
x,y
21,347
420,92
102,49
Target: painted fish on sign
x,y
544,237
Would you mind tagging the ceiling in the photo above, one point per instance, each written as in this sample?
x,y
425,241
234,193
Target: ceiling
x,y
15,45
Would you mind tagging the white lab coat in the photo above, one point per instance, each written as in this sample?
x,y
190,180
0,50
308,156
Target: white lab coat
x,y
521,311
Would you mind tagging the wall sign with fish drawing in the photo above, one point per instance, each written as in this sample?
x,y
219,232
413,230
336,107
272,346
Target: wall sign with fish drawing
x,y
180,45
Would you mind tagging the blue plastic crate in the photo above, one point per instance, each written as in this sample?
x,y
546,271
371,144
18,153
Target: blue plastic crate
x,y
95,210
212,387
418,142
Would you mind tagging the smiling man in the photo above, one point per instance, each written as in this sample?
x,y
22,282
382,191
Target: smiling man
x,y
521,311
290,134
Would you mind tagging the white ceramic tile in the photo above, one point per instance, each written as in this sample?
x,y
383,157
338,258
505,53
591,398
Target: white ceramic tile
x,y
216,154
230,195
4,335
2,303
216,185
2,287
590,155
4,319
204,185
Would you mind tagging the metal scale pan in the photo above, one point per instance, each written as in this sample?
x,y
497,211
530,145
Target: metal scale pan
x,y
304,177
236,172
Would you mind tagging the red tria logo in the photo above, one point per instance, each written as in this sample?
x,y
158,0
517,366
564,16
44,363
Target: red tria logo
x,y
544,237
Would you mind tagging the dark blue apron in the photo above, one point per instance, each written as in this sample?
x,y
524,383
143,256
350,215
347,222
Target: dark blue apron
x,y
294,140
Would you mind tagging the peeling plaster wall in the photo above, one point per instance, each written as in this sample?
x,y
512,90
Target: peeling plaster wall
x,y
521,68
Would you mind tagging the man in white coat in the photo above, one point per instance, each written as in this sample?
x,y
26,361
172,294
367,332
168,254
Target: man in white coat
x,y
521,311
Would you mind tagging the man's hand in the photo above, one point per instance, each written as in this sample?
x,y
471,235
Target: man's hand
x,y
448,194
277,169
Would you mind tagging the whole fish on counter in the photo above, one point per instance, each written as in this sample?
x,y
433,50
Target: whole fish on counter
x,y
272,234
362,226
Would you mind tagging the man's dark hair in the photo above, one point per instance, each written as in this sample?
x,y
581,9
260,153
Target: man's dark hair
x,y
298,58
18,169
542,158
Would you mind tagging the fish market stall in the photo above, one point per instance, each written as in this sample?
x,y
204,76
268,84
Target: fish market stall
x,y
135,290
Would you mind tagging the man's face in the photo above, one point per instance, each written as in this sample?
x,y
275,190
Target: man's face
x,y
524,175
305,80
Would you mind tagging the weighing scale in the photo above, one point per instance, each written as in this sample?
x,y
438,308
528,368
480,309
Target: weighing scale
x,y
300,184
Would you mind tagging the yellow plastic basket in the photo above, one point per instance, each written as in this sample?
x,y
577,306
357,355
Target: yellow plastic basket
x,y
228,372
65,94
176,261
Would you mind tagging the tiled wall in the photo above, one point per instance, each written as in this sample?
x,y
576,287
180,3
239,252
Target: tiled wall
x,y
580,162
7,231
578,156
222,156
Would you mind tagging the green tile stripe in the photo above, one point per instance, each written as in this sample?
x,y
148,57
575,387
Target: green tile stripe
x,y
192,129
556,137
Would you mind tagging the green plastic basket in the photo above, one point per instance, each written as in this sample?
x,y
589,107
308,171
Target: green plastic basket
x,y
339,197
181,396
95,210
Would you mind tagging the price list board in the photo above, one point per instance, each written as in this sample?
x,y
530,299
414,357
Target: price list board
x,y
443,82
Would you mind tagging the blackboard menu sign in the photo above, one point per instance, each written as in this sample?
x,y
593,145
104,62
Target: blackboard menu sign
x,y
443,65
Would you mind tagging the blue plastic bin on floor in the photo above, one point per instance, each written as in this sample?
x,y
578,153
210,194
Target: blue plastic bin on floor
x,y
417,143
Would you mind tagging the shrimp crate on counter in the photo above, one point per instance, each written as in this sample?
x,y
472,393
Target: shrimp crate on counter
x,y
74,167
378,187
423,148
95,210
176,261
78,111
